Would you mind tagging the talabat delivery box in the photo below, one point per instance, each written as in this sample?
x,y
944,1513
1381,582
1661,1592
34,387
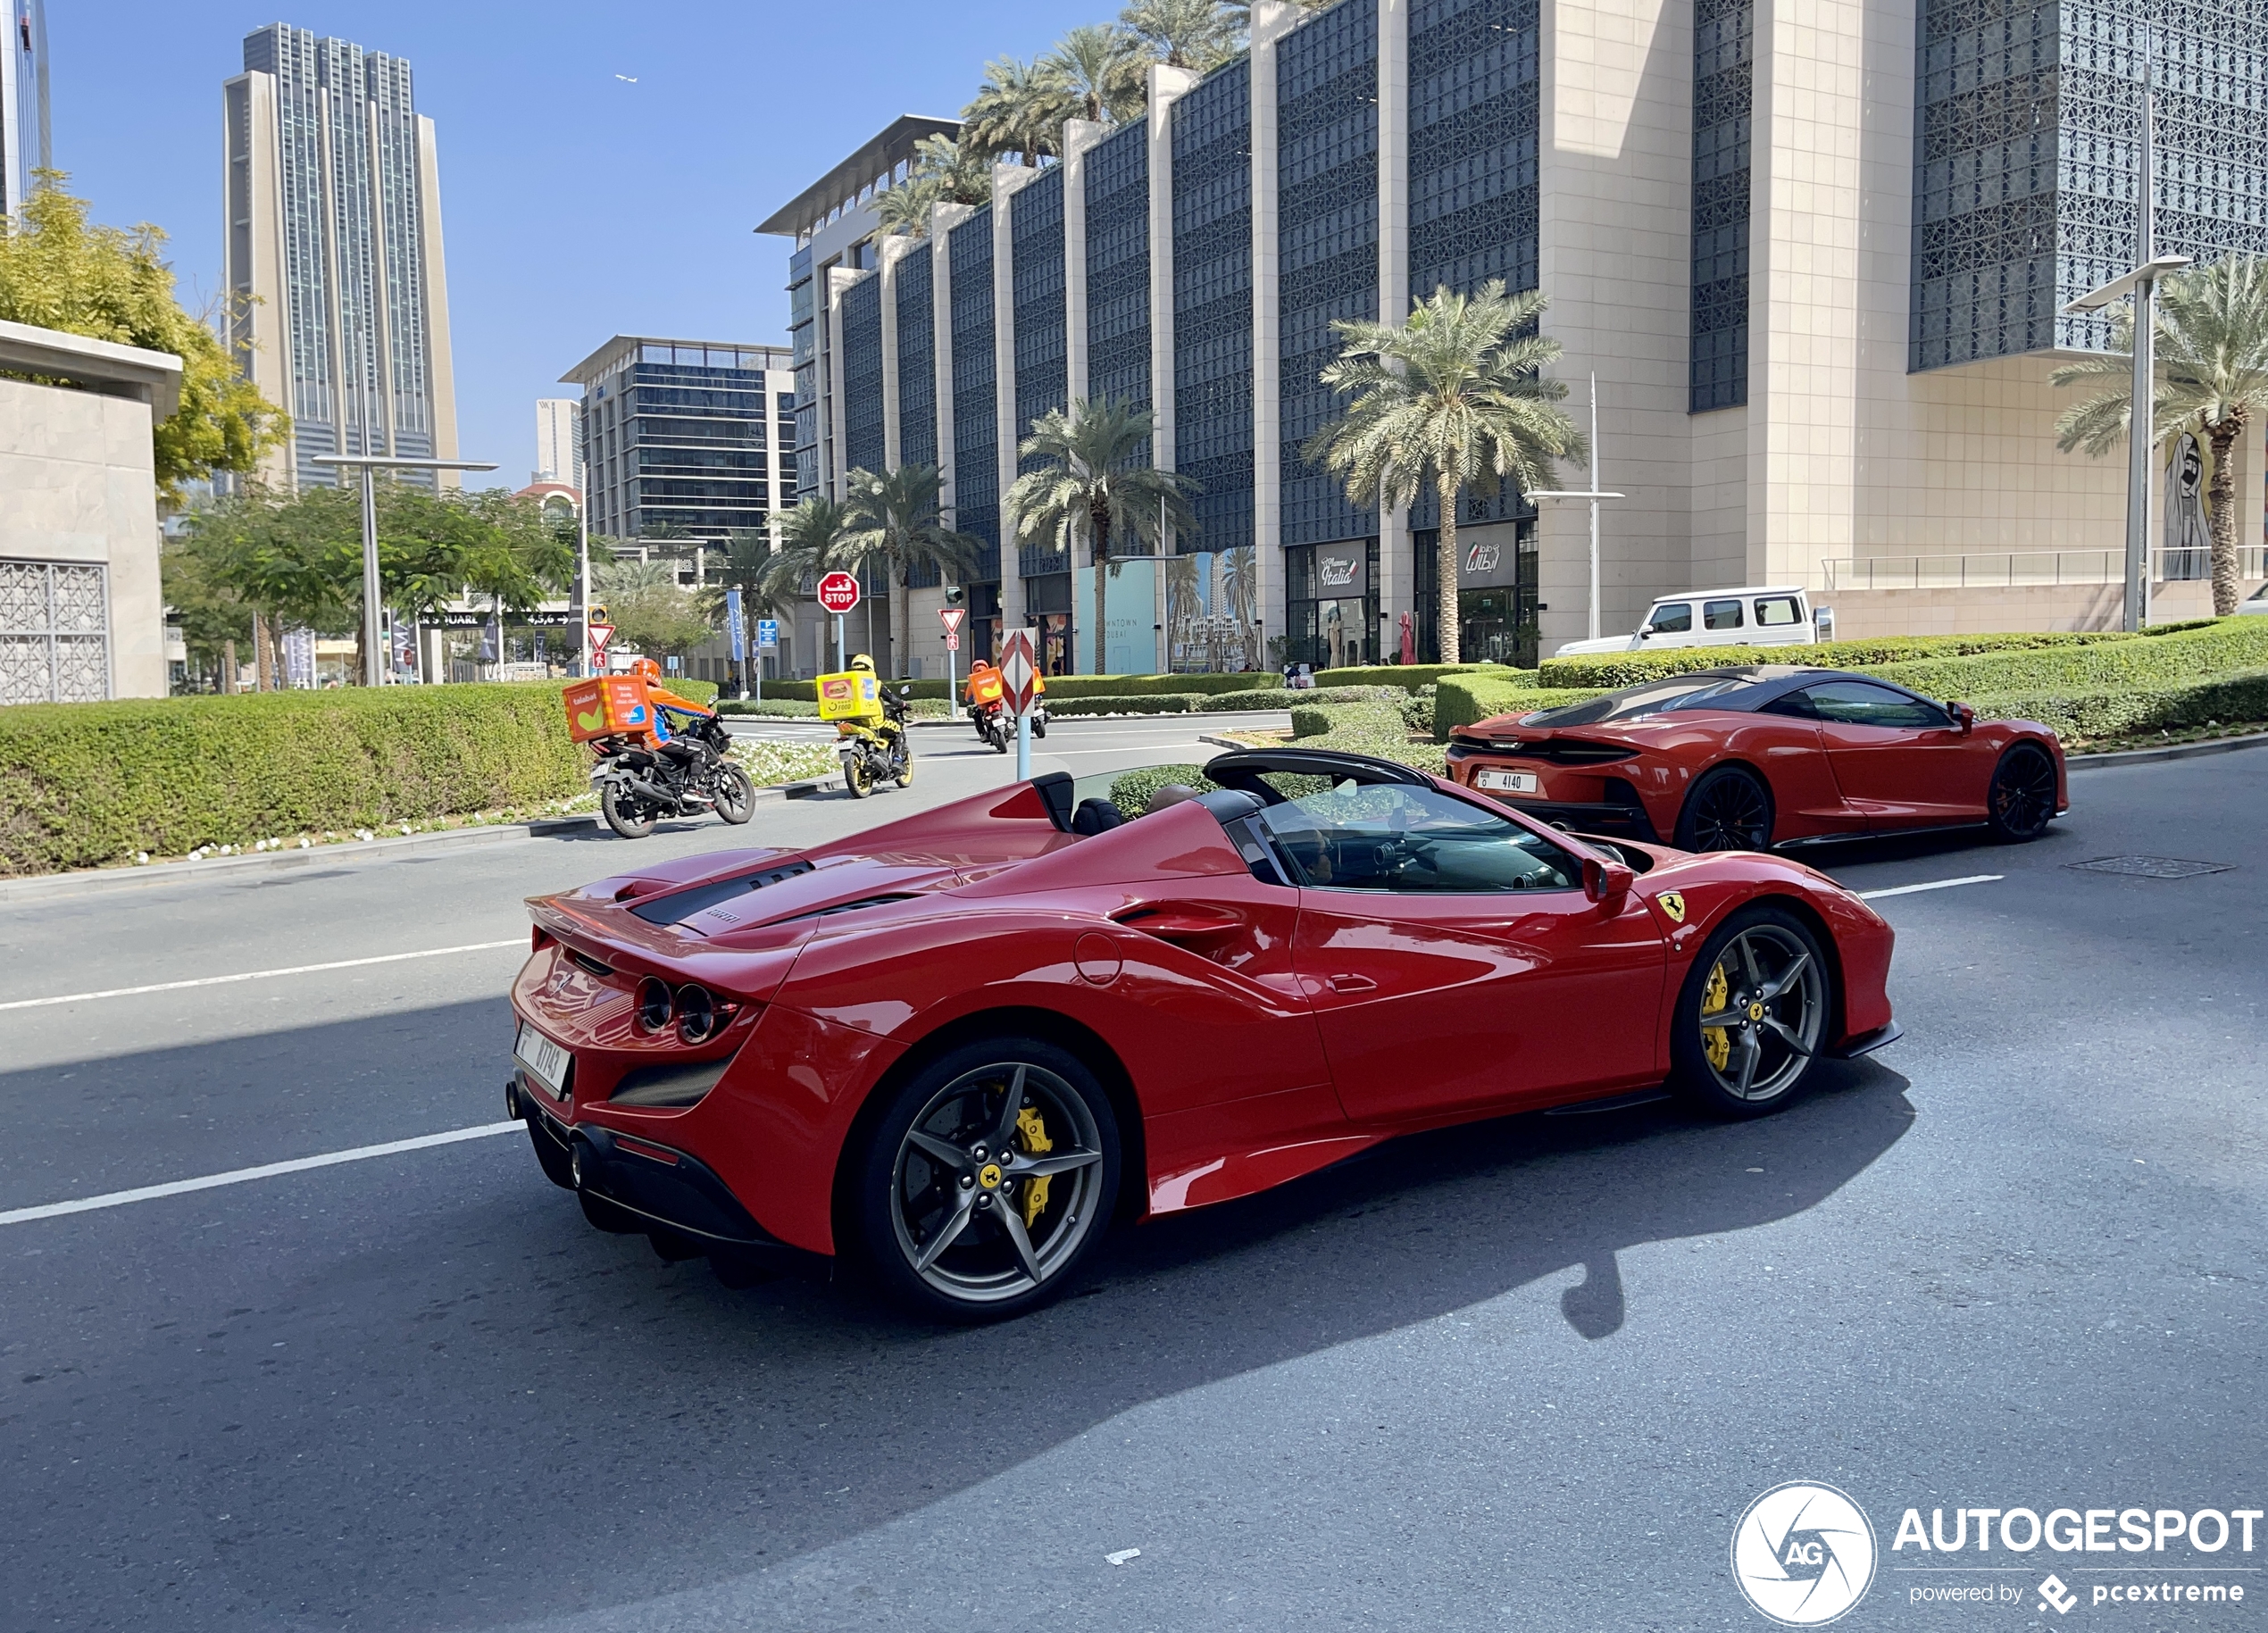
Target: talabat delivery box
x,y
853,694
609,706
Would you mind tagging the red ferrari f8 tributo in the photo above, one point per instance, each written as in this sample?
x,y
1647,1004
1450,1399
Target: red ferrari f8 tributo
x,y
955,1049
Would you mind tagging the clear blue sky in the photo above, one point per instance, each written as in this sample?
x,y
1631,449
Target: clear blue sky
x,y
576,206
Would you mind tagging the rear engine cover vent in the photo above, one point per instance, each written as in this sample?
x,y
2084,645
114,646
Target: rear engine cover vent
x,y
680,905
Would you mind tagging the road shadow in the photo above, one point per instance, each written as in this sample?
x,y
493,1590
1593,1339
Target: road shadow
x,y
393,1397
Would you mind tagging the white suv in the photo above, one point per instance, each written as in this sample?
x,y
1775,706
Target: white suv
x,y
1772,615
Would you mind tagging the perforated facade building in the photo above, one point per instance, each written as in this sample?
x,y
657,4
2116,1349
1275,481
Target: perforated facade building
x,y
1813,254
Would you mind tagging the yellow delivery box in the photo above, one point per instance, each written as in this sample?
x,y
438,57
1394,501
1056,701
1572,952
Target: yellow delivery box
x,y
853,694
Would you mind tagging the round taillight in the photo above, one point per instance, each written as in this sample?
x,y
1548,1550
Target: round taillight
x,y
654,1006
697,1013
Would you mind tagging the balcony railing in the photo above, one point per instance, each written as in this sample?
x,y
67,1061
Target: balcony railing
x,y
2012,569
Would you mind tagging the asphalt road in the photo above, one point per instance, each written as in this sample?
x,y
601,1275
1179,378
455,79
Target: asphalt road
x,y
1525,1375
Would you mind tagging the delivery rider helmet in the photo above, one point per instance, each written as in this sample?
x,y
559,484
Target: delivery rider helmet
x,y
861,664
647,669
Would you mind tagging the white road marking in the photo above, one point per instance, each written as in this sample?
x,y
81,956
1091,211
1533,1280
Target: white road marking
x,y
266,1171
1935,884
261,975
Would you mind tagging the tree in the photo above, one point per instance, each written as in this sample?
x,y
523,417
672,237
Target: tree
x,y
904,209
1090,479
964,169
1194,34
651,610
1020,110
1446,396
1099,67
899,528
2213,346
109,284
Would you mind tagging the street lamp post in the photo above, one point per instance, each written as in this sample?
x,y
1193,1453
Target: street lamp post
x,y
2141,420
1594,494
370,464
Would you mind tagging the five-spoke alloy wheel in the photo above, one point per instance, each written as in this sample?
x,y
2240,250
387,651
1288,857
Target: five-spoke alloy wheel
x,y
989,1177
1753,1015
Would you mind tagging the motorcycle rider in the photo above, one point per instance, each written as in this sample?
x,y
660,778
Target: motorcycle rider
x,y
874,746
985,694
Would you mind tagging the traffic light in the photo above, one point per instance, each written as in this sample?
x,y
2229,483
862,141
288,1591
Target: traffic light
x,y
954,594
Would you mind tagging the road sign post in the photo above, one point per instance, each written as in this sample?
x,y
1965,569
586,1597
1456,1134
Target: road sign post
x,y
839,593
951,618
1019,679
767,640
737,632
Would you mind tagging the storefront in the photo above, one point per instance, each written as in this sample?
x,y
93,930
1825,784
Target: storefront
x,y
1331,594
1496,604
1048,608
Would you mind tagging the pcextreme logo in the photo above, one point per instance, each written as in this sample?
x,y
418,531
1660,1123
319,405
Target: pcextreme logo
x,y
1804,1553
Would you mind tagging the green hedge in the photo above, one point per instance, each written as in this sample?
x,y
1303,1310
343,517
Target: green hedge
x,y
95,783
2113,711
770,708
1461,700
1605,670
1156,702
2176,657
1363,729
1410,677
1131,791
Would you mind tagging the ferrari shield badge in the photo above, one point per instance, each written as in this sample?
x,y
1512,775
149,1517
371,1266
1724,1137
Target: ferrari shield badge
x,y
1673,903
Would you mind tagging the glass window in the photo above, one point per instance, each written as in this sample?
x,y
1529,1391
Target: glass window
x,y
1418,841
1674,619
1775,611
1721,615
1862,702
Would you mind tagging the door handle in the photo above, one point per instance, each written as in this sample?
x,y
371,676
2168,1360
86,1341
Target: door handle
x,y
1351,983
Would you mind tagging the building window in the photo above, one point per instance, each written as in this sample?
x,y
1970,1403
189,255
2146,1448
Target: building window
x,y
55,632
1723,79
861,386
976,425
1036,235
1331,604
1118,270
1212,134
917,381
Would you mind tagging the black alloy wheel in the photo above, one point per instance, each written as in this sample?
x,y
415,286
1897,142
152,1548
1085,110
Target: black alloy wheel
x,y
1753,1017
625,813
2022,799
1730,809
988,1180
736,794
858,773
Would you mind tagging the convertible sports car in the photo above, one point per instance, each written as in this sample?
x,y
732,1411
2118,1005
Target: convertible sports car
x,y
954,1047
1753,757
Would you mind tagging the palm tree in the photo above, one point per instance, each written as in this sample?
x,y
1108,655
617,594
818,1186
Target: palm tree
x,y
964,169
811,542
1100,66
900,527
1197,34
1090,477
1446,396
1020,110
1240,588
2213,344
905,207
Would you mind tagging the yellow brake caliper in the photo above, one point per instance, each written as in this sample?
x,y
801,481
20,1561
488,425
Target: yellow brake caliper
x,y
1031,1136
1716,1043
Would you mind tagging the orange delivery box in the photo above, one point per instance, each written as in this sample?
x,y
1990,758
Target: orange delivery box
x,y
609,706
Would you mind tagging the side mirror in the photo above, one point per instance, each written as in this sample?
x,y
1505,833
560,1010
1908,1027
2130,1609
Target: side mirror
x,y
905,691
1964,717
1607,882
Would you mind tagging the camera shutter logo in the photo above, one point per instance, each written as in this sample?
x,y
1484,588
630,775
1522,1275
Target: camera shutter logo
x,y
1804,1553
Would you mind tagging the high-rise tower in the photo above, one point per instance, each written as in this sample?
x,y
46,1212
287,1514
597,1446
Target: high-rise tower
x,y
24,144
334,233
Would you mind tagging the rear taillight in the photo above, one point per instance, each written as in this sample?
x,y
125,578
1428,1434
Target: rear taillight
x,y
655,1003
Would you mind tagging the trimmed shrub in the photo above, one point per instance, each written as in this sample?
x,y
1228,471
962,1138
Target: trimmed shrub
x,y
1130,791
1411,677
93,783
1372,729
2123,710
1605,670
1144,685
2197,652
772,708
807,691
1156,702
1461,700
1417,710
703,692
1279,698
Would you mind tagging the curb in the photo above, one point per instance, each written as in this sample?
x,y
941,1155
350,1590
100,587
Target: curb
x,y
2178,751
106,879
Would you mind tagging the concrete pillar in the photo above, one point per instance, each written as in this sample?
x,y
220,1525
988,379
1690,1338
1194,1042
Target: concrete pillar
x,y
894,249
1166,86
1272,19
1396,568
1080,137
1007,180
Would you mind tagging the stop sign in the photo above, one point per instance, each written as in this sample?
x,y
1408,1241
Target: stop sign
x,y
838,592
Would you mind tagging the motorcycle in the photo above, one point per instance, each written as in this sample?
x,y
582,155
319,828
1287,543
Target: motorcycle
x,y
876,751
640,781
994,725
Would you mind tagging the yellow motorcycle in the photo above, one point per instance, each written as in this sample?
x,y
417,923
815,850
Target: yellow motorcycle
x,y
874,748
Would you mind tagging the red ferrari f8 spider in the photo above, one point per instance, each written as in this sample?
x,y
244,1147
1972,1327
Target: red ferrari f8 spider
x,y
1753,757
954,1047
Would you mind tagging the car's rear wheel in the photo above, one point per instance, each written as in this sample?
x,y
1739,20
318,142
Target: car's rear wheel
x,y
1730,809
1753,1018
988,1180
2022,799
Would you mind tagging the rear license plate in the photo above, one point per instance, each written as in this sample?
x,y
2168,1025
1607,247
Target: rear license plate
x,y
1506,782
543,1060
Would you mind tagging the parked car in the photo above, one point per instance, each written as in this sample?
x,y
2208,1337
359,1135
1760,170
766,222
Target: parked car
x,y
2256,603
1773,615
1752,757
954,1048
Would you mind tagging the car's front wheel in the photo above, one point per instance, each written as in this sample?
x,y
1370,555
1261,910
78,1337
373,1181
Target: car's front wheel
x,y
1730,809
1753,1018
988,1179
2022,799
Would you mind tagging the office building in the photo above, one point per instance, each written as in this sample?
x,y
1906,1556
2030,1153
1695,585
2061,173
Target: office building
x,y
686,438
26,143
559,445
333,252
1814,255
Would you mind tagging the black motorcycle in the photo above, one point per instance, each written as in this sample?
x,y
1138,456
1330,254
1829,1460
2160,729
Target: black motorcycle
x,y
994,725
639,782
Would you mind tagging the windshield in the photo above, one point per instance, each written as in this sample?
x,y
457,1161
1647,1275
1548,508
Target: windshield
x,y
1678,693
1394,837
